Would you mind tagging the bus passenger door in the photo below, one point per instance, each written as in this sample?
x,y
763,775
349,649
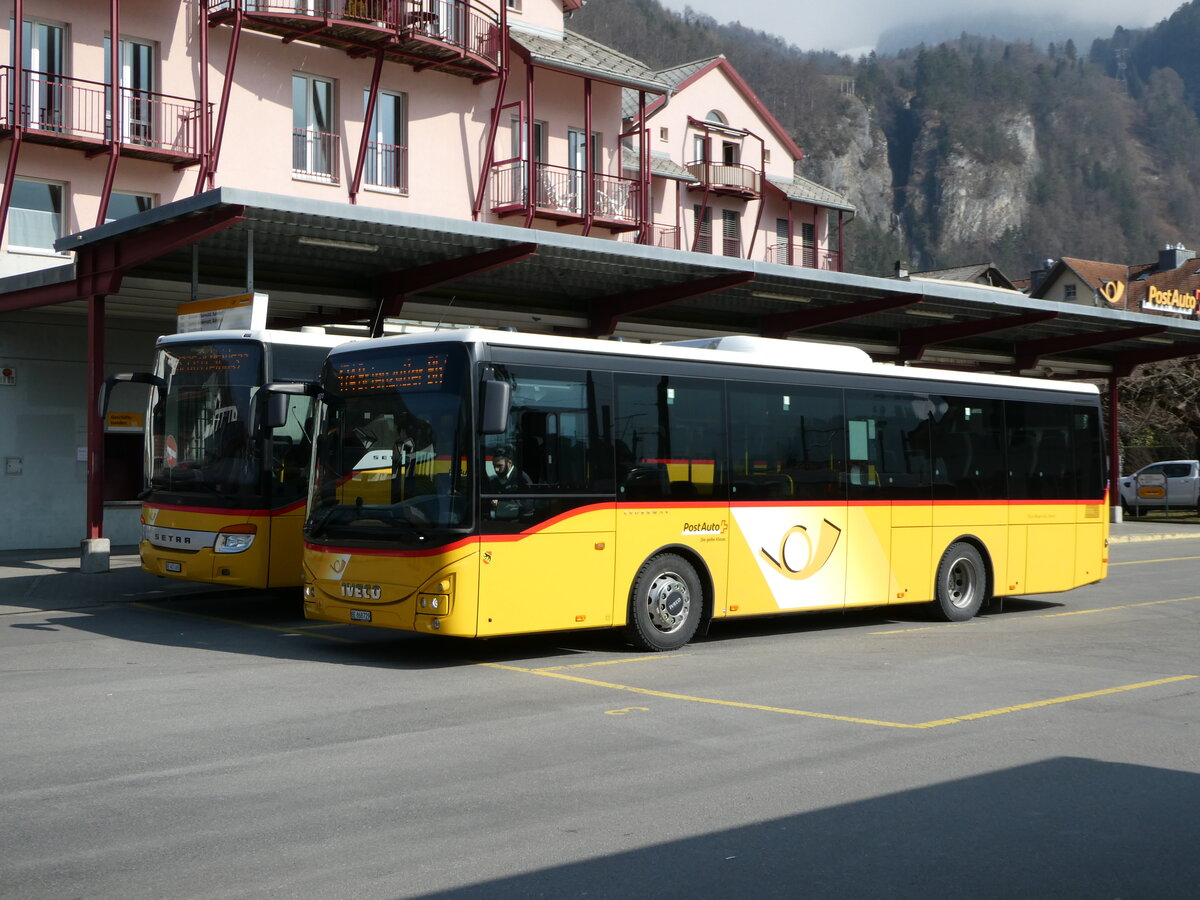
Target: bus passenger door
x,y
547,515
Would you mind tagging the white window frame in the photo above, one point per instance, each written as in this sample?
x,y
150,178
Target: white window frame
x,y
376,136
45,109
153,198
14,216
311,171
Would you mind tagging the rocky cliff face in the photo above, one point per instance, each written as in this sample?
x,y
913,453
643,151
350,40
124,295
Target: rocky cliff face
x,y
860,172
964,203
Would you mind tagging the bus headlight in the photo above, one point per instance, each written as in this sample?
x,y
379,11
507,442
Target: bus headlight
x,y
235,541
433,604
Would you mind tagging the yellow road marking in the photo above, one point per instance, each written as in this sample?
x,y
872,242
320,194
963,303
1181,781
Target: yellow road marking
x,y
1073,612
855,720
1142,562
194,615
611,662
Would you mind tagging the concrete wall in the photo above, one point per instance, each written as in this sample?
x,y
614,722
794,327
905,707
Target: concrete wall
x,y
45,426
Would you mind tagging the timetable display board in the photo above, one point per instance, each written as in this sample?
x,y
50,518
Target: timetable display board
x,y
391,373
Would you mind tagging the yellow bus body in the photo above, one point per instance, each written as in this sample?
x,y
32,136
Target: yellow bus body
x,y
756,559
178,542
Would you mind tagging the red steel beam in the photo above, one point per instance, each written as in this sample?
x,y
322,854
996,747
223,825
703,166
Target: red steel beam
x,y
395,287
100,268
1029,353
914,341
782,324
606,312
369,117
1124,363
95,427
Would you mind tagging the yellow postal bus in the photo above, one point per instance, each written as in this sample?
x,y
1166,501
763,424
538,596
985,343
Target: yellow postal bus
x,y
477,483
226,468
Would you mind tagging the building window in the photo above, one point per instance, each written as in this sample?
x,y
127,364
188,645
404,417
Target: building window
x,y
514,5
731,232
702,223
1069,292
766,156
387,150
314,145
45,65
138,100
121,205
782,250
664,134
35,216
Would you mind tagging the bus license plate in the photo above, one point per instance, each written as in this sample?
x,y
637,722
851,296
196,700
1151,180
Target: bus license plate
x,y
174,567
360,615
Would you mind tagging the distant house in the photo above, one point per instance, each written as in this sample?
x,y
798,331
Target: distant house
x,y
1169,286
982,273
723,177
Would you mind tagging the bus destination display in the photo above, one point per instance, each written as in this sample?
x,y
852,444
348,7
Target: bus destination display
x,y
364,376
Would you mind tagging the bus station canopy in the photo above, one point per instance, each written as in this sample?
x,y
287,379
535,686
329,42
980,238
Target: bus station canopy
x,y
324,263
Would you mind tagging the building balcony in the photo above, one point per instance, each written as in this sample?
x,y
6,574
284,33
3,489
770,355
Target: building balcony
x,y
729,179
462,37
805,255
74,112
560,193
665,236
386,167
315,155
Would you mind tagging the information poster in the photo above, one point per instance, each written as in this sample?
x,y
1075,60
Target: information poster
x,y
242,311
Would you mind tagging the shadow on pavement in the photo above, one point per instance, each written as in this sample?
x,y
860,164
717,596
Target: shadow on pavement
x,y
1064,827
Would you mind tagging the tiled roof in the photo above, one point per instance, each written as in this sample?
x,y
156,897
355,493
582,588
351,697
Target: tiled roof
x,y
1094,273
576,53
983,273
671,77
660,164
805,191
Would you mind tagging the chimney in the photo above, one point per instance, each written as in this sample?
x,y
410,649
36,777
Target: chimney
x,y
1038,276
1172,256
901,269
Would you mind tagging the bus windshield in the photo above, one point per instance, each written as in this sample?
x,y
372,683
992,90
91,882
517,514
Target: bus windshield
x,y
202,437
392,457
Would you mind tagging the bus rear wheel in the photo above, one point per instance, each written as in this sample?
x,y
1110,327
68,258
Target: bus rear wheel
x,y
665,604
961,583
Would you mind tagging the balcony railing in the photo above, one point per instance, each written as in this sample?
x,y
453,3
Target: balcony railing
x,y
65,110
386,166
665,236
561,192
459,34
315,154
805,255
727,178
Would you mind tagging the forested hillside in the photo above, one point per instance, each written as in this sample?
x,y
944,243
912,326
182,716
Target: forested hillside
x,y
976,150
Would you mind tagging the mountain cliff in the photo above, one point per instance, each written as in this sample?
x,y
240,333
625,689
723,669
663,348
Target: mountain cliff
x,y
975,149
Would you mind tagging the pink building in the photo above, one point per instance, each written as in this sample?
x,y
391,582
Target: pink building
x,y
451,108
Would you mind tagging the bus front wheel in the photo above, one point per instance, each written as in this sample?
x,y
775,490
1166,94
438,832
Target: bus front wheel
x,y
961,583
665,604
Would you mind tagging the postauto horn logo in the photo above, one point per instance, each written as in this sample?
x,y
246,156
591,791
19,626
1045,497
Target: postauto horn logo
x,y
797,557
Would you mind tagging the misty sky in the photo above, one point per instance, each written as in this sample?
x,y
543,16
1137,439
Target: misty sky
x,y
854,25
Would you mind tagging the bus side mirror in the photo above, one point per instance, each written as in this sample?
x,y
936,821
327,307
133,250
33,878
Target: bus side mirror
x,y
112,381
277,399
494,404
277,410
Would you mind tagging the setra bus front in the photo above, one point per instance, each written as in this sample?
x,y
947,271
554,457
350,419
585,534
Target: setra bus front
x,y
389,535
222,478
